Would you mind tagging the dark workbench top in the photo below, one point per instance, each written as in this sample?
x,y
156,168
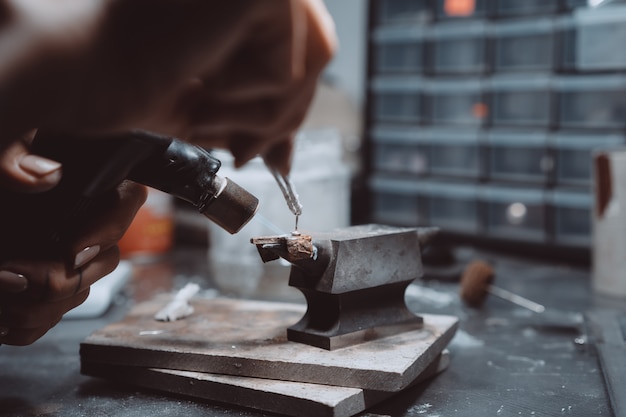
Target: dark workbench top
x,y
504,361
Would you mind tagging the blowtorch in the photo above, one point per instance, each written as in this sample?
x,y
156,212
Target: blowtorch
x,y
92,167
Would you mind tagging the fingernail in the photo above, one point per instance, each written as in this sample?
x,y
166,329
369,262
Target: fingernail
x,y
4,331
86,255
12,282
40,167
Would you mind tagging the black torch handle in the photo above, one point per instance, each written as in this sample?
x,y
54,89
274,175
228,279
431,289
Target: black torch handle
x,y
39,223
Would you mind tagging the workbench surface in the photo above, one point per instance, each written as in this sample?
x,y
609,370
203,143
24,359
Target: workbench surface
x,y
505,361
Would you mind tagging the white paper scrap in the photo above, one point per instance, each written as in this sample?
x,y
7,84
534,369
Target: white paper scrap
x,y
179,307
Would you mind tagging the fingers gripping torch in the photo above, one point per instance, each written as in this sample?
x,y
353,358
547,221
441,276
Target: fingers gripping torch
x,y
93,167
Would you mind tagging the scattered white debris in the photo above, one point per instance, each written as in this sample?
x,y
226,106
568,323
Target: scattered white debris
x,y
375,415
496,321
463,339
179,307
491,364
429,295
421,408
529,333
533,364
150,332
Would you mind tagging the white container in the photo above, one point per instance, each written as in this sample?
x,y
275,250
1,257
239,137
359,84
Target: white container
x,y
609,223
322,181
524,45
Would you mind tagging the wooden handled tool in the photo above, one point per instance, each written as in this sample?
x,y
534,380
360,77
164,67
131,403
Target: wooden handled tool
x,y
476,284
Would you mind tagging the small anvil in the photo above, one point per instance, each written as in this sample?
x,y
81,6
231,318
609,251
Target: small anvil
x,y
353,279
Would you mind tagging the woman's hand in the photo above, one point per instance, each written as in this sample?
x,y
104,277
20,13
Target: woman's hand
x,y
35,292
238,74
22,171
37,289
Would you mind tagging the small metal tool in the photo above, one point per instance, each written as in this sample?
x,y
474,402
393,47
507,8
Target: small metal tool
x,y
476,283
290,194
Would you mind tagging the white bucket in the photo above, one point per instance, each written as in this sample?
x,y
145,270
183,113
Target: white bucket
x,y
609,223
322,181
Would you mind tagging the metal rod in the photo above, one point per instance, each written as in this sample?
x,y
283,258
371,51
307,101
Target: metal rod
x,y
516,299
290,194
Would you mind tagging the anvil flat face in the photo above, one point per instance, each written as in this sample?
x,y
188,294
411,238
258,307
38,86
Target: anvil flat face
x,y
363,257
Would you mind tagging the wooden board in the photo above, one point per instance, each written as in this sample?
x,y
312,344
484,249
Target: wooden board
x,y
248,338
283,397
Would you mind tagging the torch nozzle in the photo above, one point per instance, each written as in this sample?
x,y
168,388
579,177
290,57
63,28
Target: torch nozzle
x,y
231,206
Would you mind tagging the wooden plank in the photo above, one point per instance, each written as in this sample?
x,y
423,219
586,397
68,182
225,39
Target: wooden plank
x,y
248,338
283,397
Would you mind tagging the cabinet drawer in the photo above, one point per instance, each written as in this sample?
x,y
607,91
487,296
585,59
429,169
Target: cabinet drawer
x,y
398,50
597,101
456,103
519,156
458,48
572,218
517,214
529,45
